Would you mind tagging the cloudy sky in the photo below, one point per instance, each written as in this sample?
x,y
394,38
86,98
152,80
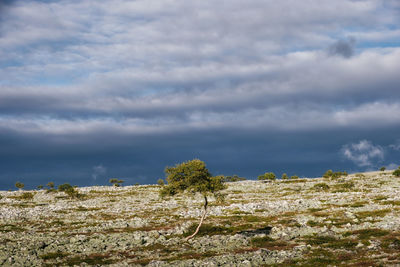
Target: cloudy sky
x,y
96,89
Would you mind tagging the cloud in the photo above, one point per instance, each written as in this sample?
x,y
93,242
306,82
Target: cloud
x,y
363,153
98,170
395,146
392,166
344,48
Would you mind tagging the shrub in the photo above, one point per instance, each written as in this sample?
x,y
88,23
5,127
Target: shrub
x,y
26,196
234,178
321,186
397,172
284,176
116,182
19,185
267,176
50,185
160,182
294,177
328,174
382,169
64,187
40,187
334,175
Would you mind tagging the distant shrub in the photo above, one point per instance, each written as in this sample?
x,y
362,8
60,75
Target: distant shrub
x,y
19,185
234,178
50,185
136,184
294,177
397,172
284,176
382,169
267,176
321,186
26,196
40,187
334,175
160,182
116,182
64,187
328,174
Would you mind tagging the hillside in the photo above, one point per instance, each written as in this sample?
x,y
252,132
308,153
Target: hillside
x,y
348,221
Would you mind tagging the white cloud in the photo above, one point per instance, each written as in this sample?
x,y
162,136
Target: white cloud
x,y
363,153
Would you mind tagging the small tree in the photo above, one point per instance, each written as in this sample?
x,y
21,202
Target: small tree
x,y
160,182
116,182
19,185
192,177
50,185
382,169
284,176
40,187
267,176
294,177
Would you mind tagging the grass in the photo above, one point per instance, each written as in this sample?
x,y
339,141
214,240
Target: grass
x,y
330,242
270,244
367,233
373,213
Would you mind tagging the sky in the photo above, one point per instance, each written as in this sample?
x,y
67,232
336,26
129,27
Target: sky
x,y
92,90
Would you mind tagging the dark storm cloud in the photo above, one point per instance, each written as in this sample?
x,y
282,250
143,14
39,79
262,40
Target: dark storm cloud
x,y
344,48
131,86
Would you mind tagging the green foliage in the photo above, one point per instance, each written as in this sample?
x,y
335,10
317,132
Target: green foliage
x,y
64,187
234,178
26,196
382,169
160,182
294,177
40,187
116,182
333,175
328,174
19,185
284,176
50,185
397,172
193,177
321,186
267,176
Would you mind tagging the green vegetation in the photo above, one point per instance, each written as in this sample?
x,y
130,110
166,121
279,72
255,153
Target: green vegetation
x,y
19,185
160,182
40,187
397,172
234,178
284,176
116,182
382,169
321,186
267,176
294,177
334,175
192,177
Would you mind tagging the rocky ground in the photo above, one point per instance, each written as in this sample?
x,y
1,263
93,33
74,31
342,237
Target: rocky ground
x,y
348,221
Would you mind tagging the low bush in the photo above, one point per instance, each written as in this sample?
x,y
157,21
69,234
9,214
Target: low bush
x,y
234,178
267,176
397,172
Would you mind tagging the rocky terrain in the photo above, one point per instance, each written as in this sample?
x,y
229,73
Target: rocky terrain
x,y
346,221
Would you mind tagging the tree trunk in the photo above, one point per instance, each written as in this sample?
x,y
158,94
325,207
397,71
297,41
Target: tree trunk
x,y
201,220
